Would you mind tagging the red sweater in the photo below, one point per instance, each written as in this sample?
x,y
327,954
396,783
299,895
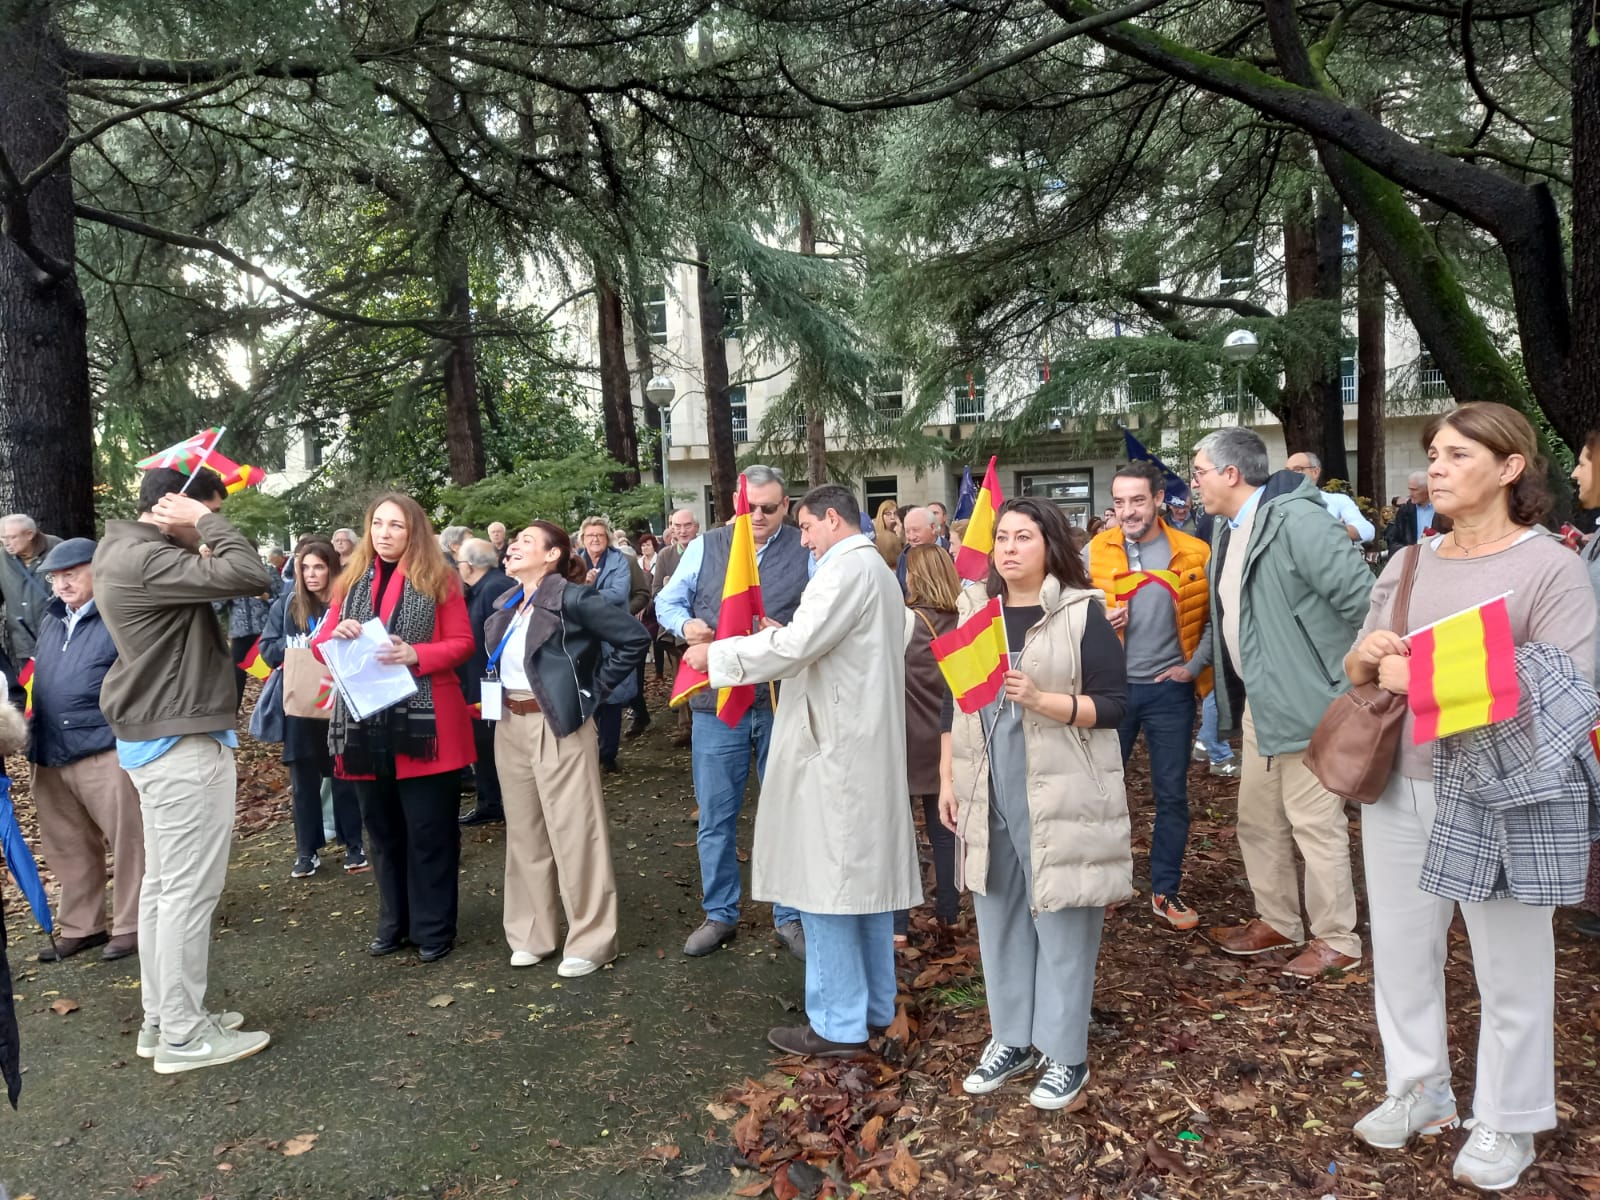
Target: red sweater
x,y
438,659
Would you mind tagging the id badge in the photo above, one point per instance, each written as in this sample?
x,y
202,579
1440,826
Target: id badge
x,y
489,699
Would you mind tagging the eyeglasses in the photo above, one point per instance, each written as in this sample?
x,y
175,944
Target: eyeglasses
x,y
768,509
1201,472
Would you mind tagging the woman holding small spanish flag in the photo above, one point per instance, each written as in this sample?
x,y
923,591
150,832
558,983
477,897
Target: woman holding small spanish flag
x,y
405,759
1457,824
1034,787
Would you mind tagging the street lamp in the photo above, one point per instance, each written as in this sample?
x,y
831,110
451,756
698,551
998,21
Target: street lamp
x,y
660,391
1239,347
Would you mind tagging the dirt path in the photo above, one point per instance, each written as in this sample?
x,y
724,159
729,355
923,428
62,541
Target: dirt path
x,y
460,1079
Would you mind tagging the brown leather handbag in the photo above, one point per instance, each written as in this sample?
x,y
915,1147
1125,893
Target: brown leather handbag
x,y
1353,750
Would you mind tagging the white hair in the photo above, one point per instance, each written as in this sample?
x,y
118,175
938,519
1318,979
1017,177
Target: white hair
x,y
24,523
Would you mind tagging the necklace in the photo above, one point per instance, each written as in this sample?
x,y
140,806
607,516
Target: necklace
x,y
1466,551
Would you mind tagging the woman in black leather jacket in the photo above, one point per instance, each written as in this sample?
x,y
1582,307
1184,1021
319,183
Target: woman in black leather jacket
x,y
545,641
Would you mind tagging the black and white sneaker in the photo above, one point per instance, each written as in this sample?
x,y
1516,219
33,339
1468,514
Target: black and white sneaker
x,y
998,1064
305,866
1059,1085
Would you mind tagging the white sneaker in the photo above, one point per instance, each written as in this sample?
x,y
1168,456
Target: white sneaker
x,y
211,1046
525,958
1394,1122
572,968
1492,1160
150,1035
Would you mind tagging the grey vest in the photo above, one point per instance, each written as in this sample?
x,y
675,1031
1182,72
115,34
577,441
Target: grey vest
x,y
785,571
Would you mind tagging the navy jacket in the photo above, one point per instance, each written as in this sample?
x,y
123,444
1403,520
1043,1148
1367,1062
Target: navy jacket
x,y
481,598
67,722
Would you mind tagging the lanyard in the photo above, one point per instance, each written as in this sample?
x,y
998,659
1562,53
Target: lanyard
x,y
494,659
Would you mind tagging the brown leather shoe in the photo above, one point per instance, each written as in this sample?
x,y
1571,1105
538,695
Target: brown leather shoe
x,y
1257,937
120,946
66,947
1318,959
805,1041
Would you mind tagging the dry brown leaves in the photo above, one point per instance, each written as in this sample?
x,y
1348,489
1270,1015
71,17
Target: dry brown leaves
x,y
1211,1077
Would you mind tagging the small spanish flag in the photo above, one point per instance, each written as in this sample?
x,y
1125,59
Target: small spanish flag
x,y
739,616
1125,583
235,478
254,664
1463,672
972,561
25,679
1594,740
973,657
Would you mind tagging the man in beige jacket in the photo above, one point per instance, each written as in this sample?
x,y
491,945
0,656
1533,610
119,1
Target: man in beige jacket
x,y
833,833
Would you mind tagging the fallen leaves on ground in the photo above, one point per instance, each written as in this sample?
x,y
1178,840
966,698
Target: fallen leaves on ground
x,y
443,1000
63,1006
299,1144
1211,1076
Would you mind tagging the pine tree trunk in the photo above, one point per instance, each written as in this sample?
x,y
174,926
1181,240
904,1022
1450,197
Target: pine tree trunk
x,y
645,366
719,416
1310,405
1583,380
816,428
616,392
46,423
463,422
1371,373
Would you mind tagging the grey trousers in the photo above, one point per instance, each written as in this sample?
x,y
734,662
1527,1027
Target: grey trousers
x,y
1039,971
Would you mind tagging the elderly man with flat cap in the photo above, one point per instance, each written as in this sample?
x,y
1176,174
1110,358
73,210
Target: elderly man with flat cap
x,y
86,803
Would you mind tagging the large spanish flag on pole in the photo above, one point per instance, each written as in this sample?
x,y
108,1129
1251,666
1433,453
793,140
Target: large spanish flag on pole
x,y
974,657
739,616
972,562
1463,672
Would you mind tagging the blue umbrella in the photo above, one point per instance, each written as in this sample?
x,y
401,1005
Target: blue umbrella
x,y
20,859
967,497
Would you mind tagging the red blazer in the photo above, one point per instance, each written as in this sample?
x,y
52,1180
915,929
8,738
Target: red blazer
x,y
438,659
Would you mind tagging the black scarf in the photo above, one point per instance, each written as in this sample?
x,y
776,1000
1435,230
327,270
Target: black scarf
x,y
370,747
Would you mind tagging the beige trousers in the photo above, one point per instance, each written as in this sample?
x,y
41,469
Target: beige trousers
x,y
86,808
1282,806
558,850
1513,963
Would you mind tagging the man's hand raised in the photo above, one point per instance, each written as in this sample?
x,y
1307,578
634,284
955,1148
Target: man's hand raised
x,y
179,510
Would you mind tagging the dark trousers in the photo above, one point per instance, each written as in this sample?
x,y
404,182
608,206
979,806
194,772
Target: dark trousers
x,y
240,647
946,897
608,724
1165,711
483,772
637,706
305,781
415,847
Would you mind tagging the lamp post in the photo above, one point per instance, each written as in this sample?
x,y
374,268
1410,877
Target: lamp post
x,y
1239,347
660,391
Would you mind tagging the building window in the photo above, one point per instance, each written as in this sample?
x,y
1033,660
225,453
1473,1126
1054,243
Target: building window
x,y
652,315
732,313
888,394
741,414
1237,269
967,394
313,447
877,489
1430,379
1072,490
1144,388
1347,377
797,428
711,509
275,448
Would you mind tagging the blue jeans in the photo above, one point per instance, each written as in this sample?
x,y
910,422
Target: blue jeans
x,y
849,973
1218,750
1165,711
721,763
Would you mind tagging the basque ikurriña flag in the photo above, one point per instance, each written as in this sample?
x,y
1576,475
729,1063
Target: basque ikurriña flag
x,y
974,657
972,561
739,616
1463,672
185,456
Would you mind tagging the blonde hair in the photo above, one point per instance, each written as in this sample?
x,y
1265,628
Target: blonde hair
x,y
931,580
424,561
888,541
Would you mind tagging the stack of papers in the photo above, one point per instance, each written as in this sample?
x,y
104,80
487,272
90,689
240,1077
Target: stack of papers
x,y
367,685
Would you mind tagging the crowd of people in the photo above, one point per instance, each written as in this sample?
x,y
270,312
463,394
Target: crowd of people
x,y
526,647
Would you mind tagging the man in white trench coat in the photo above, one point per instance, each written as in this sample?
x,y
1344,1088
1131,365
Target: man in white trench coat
x,y
833,830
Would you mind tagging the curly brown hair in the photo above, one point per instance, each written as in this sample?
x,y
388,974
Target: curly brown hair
x,y
1504,432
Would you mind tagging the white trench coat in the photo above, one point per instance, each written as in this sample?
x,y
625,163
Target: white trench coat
x,y
833,829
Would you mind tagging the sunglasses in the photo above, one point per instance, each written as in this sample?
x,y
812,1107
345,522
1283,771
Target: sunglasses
x,y
769,509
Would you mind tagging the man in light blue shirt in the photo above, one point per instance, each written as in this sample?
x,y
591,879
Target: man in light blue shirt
x,y
1342,507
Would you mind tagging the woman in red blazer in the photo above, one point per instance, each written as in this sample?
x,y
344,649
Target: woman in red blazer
x,y
405,760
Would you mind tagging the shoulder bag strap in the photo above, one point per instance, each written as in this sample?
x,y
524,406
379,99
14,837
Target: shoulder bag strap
x,y
1402,600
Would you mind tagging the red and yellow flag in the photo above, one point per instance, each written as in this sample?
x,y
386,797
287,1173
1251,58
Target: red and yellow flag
x,y
186,455
739,616
235,477
1125,583
25,681
974,658
972,561
1463,672
254,664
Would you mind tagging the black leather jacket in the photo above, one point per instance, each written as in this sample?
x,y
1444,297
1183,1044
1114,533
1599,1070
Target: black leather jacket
x,y
566,629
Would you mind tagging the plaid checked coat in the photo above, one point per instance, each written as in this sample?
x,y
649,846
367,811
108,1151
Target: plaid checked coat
x,y
1519,800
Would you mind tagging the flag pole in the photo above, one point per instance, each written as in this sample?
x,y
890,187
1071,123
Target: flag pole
x,y
204,456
